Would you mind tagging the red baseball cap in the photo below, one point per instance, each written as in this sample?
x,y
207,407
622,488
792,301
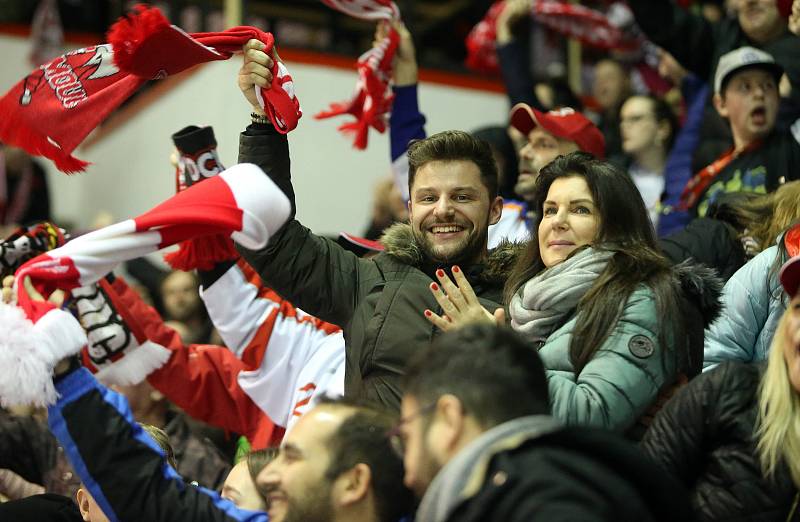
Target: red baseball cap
x,y
790,271
565,123
790,276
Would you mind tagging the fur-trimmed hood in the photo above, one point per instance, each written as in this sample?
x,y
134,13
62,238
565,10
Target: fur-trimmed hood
x,y
399,243
702,285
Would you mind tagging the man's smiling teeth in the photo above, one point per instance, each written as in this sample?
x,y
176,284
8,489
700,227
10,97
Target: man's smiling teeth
x,y
446,229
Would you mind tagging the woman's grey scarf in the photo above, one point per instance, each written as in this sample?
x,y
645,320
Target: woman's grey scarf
x,y
540,305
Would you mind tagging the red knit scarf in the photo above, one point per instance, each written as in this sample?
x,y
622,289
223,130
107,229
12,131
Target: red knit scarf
x,y
372,101
52,110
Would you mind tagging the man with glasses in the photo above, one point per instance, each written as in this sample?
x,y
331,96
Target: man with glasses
x,y
479,443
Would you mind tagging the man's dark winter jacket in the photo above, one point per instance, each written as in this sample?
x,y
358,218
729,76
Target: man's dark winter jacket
x,y
705,438
378,302
568,474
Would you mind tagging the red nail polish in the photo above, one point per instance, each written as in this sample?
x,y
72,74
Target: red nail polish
x,y
434,287
456,269
427,313
440,273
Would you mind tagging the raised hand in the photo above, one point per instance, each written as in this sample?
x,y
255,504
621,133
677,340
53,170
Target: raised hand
x,y
256,70
459,303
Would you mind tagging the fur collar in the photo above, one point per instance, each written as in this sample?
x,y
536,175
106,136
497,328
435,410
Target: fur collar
x,y
399,244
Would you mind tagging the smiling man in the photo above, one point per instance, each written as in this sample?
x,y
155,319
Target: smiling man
x,y
379,302
762,158
337,464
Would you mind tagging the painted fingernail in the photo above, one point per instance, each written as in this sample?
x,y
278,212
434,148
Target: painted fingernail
x,y
440,273
434,287
428,313
456,269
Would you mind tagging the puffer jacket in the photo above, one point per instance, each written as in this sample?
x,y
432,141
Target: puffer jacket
x,y
753,306
625,376
378,302
704,437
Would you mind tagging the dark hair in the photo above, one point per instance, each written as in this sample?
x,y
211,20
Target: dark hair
x,y
493,372
258,459
162,439
662,112
453,146
624,229
362,439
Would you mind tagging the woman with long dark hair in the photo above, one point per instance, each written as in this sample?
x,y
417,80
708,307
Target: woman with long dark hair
x,y
614,322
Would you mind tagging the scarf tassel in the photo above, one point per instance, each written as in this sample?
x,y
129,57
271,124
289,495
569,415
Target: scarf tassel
x,y
201,253
129,34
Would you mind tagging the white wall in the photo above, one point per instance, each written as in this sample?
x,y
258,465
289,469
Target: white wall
x,y
333,182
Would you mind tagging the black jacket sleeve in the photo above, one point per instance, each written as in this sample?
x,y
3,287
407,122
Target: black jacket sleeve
x,y
314,273
123,468
688,37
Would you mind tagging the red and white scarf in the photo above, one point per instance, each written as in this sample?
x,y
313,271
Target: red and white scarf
x,y
50,111
242,202
372,100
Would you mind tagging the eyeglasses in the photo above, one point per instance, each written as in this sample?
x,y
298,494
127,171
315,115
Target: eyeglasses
x,y
395,435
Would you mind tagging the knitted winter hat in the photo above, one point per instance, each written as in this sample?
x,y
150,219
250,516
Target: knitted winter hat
x,y
198,161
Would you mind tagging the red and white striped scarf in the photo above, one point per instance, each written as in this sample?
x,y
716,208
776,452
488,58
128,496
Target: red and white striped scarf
x,y
242,202
372,100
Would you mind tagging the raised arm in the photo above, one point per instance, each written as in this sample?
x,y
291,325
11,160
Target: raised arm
x,y
688,37
406,122
313,273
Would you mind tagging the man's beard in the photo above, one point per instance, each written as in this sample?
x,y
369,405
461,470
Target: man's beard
x,y
314,506
467,252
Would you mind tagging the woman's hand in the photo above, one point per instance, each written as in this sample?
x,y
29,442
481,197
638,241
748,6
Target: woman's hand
x,y
459,303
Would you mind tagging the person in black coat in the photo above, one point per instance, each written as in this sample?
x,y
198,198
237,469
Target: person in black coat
x,y
738,226
731,435
479,444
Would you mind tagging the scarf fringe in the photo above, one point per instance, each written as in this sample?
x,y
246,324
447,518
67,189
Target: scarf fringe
x,y
128,34
201,253
135,366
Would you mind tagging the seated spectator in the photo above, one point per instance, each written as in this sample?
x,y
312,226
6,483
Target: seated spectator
x,y
731,435
24,196
610,88
240,486
181,298
753,306
648,127
746,94
479,443
737,227
591,294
